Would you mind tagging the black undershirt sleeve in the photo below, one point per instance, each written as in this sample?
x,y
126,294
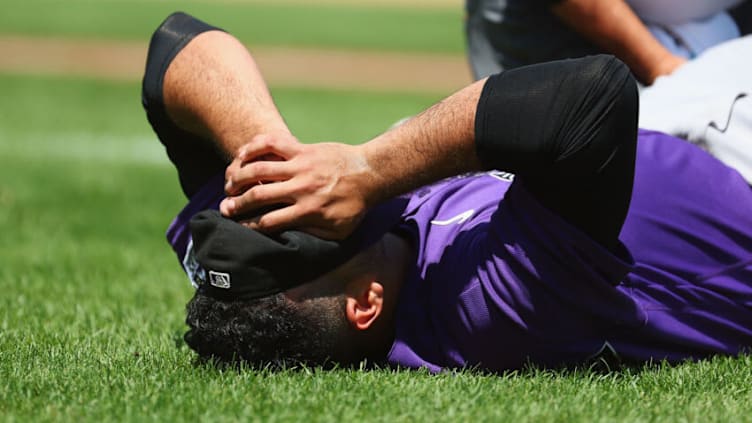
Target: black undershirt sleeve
x,y
568,130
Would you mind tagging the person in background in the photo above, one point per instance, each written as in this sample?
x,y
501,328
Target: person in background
x,y
653,37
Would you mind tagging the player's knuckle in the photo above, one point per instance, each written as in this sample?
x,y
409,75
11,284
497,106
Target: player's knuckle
x,y
272,143
267,222
327,213
260,139
250,196
259,194
309,209
315,182
263,222
260,168
241,201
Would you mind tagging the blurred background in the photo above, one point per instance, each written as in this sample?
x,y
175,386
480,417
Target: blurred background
x,y
89,286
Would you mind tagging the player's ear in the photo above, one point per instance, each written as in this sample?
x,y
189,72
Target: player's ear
x,y
365,300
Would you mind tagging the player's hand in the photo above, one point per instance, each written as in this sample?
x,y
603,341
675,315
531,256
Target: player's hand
x,y
318,188
666,65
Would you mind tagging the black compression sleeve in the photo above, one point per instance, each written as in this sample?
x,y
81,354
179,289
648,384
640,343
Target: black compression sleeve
x,y
195,158
171,36
568,129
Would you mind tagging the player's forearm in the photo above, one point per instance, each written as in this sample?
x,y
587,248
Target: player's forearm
x,y
437,143
613,26
544,122
214,88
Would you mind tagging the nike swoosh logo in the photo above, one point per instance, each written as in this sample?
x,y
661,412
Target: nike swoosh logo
x,y
459,219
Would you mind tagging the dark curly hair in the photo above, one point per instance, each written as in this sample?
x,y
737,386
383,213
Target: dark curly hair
x,y
271,331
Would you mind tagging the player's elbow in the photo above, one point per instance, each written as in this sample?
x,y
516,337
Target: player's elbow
x,y
609,90
604,118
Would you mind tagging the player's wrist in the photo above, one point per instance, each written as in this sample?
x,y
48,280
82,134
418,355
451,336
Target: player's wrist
x,y
655,63
665,65
385,175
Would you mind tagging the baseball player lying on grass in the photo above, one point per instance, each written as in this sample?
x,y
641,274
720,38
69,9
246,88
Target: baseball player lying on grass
x,y
523,219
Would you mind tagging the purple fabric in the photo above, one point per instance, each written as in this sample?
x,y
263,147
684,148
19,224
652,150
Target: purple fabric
x,y
514,283
500,281
208,197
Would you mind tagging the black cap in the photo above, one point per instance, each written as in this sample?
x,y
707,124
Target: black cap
x,y
238,263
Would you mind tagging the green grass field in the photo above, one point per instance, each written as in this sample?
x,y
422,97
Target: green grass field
x,y
91,302
304,25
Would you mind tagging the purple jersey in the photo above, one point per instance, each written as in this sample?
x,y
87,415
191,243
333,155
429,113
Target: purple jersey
x,y
500,281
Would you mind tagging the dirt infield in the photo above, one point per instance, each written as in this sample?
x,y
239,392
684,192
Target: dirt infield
x,y
281,66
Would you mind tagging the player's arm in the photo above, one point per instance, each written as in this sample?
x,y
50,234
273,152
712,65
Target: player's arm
x,y
209,84
546,123
613,26
327,187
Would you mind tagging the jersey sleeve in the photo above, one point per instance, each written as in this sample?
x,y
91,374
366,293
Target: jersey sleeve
x,y
568,130
555,118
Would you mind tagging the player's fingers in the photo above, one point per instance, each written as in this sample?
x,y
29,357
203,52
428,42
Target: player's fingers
x,y
256,197
264,144
280,219
248,175
302,218
295,217
230,171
